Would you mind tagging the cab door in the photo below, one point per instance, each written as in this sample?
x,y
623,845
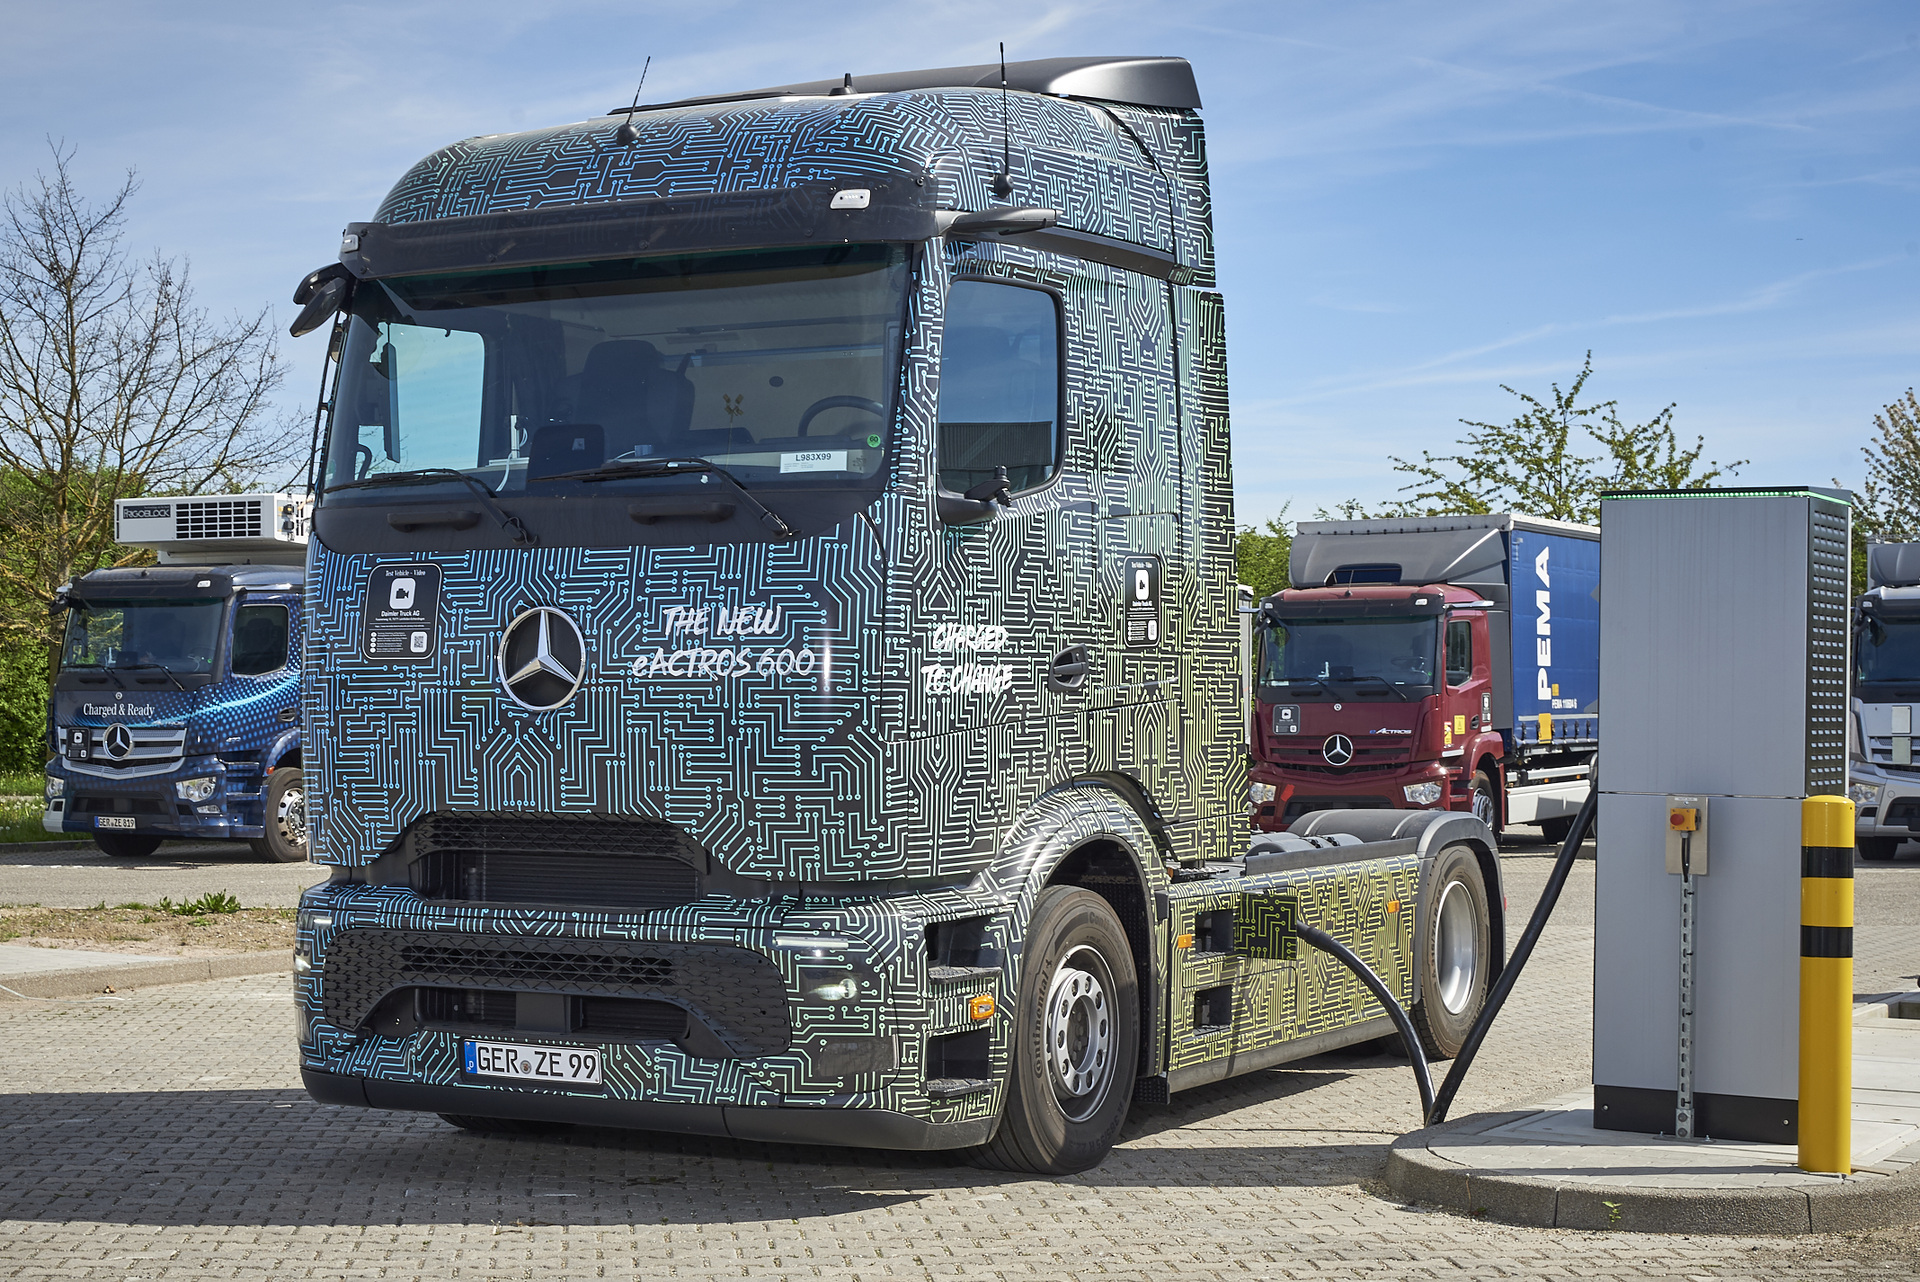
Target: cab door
x,y
1467,712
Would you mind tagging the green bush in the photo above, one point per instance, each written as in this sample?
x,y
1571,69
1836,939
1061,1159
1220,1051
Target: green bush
x,y
23,710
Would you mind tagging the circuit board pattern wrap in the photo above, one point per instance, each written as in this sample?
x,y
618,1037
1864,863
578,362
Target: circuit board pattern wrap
x,y
868,797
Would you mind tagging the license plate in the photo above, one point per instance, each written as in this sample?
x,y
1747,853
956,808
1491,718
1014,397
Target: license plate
x,y
568,1065
113,821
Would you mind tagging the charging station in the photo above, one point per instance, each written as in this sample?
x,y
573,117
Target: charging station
x,y
1723,667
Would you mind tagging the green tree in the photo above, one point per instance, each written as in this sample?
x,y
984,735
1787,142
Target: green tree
x,y
1544,462
1260,555
1886,507
113,384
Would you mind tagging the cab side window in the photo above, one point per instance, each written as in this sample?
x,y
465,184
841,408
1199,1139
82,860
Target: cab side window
x,y
999,386
1459,652
259,639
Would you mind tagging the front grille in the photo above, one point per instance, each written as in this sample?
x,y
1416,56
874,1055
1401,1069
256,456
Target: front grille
x,y
739,994
146,750
590,860
618,1018
219,518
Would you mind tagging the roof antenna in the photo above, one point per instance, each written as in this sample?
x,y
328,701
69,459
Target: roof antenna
x,y
1002,183
626,134
846,86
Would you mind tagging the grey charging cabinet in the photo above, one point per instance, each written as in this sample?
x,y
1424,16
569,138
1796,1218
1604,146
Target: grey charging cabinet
x,y
1723,670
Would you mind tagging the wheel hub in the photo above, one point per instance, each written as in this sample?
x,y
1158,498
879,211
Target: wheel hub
x,y
1079,1033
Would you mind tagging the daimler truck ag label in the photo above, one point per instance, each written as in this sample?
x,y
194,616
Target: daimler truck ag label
x,y
400,622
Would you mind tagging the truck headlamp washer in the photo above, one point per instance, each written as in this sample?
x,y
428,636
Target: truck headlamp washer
x,y
542,659
1338,750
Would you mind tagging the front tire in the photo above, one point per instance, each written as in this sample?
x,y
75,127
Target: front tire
x,y
1486,806
284,803
1075,1040
1877,848
1455,954
126,845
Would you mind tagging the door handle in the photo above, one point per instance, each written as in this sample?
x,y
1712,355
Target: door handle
x,y
1067,672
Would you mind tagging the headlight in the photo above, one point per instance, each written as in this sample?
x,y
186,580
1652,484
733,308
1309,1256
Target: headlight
x,y
55,787
195,789
1422,794
1863,794
1260,793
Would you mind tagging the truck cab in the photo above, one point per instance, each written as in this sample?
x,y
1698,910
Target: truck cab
x,y
1426,663
1883,777
175,709
1374,697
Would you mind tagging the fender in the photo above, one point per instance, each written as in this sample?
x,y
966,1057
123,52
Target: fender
x,y
1434,830
288,742
1063,821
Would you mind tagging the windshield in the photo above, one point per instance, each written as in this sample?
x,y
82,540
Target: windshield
x,y
777,365
1302,655
180,635
1888,650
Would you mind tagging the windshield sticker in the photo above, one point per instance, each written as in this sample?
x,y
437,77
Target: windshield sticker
x,y
814,461
401,619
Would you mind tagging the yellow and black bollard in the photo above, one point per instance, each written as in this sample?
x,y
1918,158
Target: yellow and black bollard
x,y
1826,984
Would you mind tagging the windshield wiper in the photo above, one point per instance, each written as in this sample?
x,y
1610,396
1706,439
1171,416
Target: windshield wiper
x,y
629,467
163,667
1290,682
508,521
100,667
1383,681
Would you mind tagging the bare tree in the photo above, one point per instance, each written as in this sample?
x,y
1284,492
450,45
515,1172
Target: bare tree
x,y
1889,507
113,384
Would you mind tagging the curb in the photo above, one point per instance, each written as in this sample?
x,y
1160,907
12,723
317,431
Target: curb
x,y
1864,1201
47,847
86,980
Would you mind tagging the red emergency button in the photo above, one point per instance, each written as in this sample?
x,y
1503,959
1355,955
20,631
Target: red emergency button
x,y
1682,818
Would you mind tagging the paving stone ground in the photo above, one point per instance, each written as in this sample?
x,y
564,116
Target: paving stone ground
x,y
166,1136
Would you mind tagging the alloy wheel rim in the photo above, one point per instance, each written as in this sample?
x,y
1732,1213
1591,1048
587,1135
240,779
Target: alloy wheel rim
x,y
1079,1033
291,816
1456,946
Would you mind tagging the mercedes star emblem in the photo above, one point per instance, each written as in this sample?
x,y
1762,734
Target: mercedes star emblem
x,y
1338,750
119,741
542,659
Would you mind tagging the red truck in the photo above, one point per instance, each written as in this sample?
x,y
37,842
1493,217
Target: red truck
x,y
1439,663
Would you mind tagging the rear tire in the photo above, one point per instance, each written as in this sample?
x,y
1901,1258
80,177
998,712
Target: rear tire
x,y
1454,952
126,845
1075,1043
500,1125
284,806
1555,830
1877,848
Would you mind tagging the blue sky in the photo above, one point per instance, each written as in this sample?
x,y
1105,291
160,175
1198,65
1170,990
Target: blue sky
x,y
1415,202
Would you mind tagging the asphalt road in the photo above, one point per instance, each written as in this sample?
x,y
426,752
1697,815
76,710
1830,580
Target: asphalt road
x,y
81,876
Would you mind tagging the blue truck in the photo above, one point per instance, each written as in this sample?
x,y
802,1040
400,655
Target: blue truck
x,y
774,654
175,708
1448,662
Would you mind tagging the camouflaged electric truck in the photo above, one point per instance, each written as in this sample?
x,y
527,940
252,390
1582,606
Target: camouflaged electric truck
x,y
775,645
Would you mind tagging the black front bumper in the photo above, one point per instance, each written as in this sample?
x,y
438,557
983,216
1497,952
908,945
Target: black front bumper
x,y
840,1127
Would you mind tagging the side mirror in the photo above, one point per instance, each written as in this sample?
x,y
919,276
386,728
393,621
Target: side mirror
x,y
978,503
322,303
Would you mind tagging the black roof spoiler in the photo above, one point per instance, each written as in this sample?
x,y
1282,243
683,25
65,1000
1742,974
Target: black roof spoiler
x,y
1140,82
